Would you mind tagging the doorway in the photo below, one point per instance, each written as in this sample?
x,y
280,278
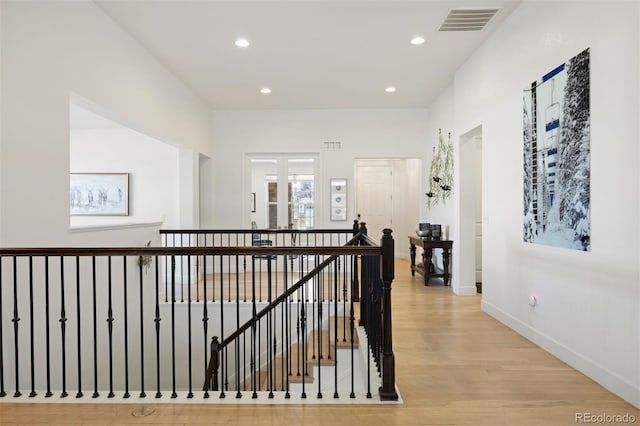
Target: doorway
x,y
470,281
388,195
283,190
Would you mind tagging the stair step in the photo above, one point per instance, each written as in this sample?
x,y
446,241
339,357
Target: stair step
x,y
293,364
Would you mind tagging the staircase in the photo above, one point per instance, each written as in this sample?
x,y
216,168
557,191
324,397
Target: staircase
x,y
321,348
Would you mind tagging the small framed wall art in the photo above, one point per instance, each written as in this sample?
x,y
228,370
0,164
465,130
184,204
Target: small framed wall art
x,y
99,194
338,199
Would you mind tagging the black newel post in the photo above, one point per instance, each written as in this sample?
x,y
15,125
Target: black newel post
x,y
355,284
388,388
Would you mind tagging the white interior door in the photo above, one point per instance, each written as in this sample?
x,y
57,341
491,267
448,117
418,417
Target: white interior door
x,y
374,185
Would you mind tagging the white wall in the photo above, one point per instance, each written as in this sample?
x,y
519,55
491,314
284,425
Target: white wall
x,y
51,50
398,133
589,302
440,118
152,167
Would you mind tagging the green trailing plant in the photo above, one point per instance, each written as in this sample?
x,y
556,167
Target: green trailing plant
x,y
441,172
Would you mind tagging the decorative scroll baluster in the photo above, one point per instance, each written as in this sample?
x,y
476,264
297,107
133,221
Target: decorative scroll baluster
x,y
110,320
205,320
63,330
352,395
237,346
16,320
157,320
253,329
303,331
319,302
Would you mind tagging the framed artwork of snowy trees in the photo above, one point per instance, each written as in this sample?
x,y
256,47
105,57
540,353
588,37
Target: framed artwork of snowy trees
x,y
99,194
557,166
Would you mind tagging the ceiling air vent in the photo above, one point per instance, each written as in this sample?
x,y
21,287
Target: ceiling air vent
x,y
467,19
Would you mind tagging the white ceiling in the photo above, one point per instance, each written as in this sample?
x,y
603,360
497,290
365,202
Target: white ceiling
x,y
312,54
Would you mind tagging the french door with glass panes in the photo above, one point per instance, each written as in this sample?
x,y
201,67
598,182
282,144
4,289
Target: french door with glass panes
x,y
283,190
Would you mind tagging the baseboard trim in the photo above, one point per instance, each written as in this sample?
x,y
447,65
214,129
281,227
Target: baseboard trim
x,y
465,290
599,373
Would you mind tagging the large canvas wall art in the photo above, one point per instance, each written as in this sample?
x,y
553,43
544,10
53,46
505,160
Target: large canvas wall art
x,y
557,138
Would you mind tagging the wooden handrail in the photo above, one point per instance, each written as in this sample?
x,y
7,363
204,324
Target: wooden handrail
x,y
184,251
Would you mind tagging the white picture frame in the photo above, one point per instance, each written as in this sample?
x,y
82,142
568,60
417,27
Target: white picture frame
x,y
338,194
99,194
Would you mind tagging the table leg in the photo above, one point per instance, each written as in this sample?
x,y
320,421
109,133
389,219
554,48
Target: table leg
x,y
446,254
427,255
412,250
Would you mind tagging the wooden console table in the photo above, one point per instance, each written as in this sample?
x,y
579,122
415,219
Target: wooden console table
x,y
427,246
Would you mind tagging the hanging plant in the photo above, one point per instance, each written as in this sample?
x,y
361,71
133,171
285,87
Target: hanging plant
x,y
441,172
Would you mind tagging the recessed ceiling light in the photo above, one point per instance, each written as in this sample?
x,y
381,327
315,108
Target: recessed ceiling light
x,y
417,40
241,42
390,89
265,90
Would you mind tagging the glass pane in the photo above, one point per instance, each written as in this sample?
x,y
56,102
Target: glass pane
x,y
273,192
264,174
301,193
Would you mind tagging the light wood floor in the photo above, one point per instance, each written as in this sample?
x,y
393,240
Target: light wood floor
x,y
454,366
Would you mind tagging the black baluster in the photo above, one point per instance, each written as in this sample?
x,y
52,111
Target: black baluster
x,y
166,271
47,324
320,301
238,393
157,320
352,395
16,320
95,329
79,394
253,328
269,330
3,393
189,367
126,330
287,344
63,330
31,330
140,267
222,358
303,327
110,320
173,326
335,325
181,271
205,319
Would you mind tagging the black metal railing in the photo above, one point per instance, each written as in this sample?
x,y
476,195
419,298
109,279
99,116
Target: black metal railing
x,y
119,321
